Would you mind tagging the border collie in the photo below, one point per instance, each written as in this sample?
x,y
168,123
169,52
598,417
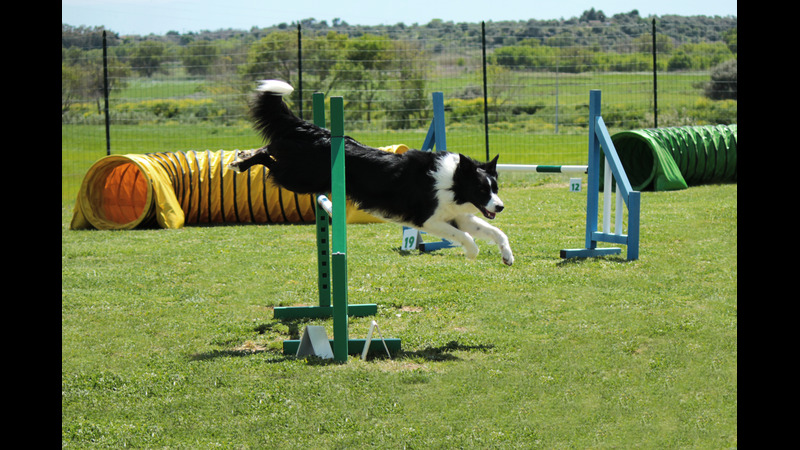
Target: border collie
x,y
435,192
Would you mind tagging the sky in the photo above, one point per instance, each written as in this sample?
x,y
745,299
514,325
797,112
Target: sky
x,y
144,17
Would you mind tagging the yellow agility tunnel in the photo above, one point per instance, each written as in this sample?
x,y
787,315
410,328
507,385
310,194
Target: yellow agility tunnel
x,y
170,190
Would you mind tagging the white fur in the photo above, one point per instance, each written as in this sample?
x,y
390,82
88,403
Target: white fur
x,y
469,225
275,86
494,203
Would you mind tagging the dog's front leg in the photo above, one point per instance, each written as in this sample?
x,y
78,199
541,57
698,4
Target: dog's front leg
x,y
480,229
446,231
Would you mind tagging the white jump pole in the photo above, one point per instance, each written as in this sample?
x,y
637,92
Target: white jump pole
x,y
618,207
569,170
607,198
325,204
618,215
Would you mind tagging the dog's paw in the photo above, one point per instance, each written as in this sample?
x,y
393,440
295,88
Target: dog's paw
x,y
238,158
234,166
508,256
471,251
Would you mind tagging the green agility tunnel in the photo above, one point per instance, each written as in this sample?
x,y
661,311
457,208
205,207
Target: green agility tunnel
x,y
170,190
663,159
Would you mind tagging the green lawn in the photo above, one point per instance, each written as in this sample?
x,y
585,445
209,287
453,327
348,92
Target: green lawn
x,y
168,337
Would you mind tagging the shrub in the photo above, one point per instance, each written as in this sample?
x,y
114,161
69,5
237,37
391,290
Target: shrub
x,y
185,109
723,82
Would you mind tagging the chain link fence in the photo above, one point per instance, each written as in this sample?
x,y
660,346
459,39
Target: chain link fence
x,y
521,92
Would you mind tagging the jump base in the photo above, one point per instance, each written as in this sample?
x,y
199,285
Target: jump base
x,y
589,252
321,312
354,346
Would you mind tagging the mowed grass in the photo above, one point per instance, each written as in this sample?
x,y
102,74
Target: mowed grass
x,y
168,336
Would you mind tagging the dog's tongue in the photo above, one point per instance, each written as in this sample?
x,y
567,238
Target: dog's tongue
x,y
487,214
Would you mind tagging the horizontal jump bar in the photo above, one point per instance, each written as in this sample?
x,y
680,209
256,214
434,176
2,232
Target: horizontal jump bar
x,y
572,170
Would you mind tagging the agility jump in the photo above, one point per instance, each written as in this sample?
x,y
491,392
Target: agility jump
x,y
332,258
600,144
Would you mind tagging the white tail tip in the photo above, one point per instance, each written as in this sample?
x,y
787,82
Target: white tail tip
x,y
275,87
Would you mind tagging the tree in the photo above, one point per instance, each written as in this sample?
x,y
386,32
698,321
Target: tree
x,y
70,86
409,106
82,77
730,38
147,57
591,15
368,59
199,58
320,55
273,56
644,43
86,37
723,82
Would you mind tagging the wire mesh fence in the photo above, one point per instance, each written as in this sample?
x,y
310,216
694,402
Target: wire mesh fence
x,y
520,92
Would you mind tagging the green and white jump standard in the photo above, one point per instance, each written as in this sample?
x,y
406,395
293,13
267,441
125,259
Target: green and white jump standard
x,y
332,266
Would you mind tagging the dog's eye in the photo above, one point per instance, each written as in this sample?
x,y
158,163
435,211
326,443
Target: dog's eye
x,y
491,185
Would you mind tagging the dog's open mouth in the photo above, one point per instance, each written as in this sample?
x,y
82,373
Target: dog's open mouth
x,y
486,213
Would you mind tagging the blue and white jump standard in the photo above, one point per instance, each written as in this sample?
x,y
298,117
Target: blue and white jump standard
x,y
599,139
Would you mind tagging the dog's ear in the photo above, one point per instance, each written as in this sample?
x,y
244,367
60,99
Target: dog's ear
x,y
465,162
491,166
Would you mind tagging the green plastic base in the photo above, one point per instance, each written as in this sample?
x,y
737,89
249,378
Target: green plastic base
x,y
319,312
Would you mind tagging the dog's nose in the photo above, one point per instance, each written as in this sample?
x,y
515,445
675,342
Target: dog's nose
x,y
498,208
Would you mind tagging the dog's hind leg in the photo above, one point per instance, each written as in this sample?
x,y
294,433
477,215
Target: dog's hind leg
x,y
480,229
247,158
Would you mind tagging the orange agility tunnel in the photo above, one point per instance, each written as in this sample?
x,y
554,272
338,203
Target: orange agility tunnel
x,y
170,190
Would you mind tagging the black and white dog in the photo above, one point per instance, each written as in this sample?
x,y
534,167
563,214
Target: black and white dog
x,y
435,192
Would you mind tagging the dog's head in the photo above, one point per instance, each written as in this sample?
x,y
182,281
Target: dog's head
x,y
476,183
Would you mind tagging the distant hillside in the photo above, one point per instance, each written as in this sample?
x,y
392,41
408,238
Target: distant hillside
x,y
680,28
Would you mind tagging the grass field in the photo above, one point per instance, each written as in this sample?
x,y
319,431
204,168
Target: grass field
x,y
168,337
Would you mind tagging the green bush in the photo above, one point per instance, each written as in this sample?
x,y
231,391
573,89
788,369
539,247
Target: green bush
x,y
723,84
146,111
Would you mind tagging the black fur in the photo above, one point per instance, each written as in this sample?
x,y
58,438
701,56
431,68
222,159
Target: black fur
x,y
399,187
383,179
475,182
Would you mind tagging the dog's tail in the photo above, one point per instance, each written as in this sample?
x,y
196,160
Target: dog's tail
x,y
269,111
